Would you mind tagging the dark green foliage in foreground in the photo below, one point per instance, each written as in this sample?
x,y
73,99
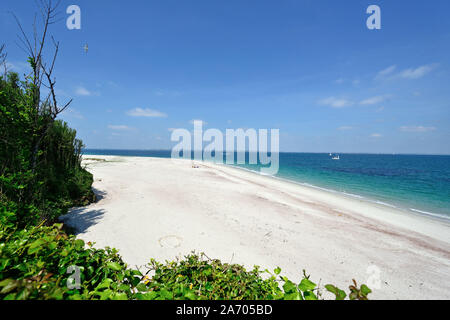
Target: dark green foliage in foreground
x,y
34,263
39,184
197,277
41,176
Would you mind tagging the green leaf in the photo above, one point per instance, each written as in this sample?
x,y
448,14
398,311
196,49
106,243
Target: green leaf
x,y
142,287
105,295
190,295
58,294
165,294
104,284
8,285
365,290
293,296
289,287
309,295
277,270
114,266
35,246
79,244
53,245
120,296
152,295
124,287
306,285
136,273
340,294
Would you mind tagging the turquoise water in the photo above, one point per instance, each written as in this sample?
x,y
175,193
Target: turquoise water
x,y
420,183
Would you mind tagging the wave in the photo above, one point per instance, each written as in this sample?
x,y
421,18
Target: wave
x,y
357,196
437,215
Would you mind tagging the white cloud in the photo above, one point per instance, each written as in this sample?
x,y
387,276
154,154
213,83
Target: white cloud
x,y
139,112
374,100
339,81
375,135
416,73
120,127
411,73
416,129
336,102
81,91
386,72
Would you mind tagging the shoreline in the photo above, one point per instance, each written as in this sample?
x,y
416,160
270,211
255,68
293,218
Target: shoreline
x,y
163,208
404,208
400,212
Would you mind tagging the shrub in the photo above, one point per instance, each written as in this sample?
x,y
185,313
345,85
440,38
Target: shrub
x,y
34,263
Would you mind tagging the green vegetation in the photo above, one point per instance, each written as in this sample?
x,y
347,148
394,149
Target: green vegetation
x,y
41,177
38,184
34,263
199,277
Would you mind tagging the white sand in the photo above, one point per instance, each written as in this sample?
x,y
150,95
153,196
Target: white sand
x,y
162,208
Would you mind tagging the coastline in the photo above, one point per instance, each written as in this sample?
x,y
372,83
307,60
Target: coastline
x,y
373,194
162,208
424,214
400,217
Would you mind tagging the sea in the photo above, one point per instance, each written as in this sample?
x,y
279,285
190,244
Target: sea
x,y
419,184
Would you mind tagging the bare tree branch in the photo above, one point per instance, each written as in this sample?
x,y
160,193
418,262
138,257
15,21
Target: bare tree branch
x,y
3,56
42,74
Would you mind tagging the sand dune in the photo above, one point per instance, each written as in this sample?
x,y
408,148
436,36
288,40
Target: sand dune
x,y
162,208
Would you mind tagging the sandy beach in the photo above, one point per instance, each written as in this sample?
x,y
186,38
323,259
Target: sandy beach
x,y
163,209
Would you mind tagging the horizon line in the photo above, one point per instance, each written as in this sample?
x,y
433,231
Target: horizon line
x,y
299,152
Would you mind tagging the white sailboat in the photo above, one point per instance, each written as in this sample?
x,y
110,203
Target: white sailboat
x,y
336,157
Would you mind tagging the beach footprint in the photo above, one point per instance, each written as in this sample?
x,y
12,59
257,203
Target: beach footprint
x,y
170,241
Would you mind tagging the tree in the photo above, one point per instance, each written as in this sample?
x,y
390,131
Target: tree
x,y
42,75
40,163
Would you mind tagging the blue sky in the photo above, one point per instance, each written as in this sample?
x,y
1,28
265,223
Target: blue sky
x,y
309,68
